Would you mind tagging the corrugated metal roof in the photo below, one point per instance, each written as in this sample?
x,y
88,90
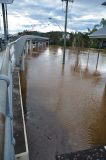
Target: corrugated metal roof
x,y
101,33
6,1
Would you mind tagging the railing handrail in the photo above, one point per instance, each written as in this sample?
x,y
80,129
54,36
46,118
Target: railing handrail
x,y
16,49
3,101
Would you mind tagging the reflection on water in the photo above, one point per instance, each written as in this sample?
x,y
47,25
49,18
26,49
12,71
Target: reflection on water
x,y
23,80
65,103
97,130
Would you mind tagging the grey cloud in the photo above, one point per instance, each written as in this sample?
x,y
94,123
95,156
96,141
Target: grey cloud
x,y
43,9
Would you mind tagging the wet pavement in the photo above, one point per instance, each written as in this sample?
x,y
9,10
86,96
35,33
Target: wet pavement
x,y
18,127
64,105
98,153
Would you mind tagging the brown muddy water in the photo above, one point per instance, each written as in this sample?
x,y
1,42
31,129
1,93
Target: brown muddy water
x,y
65,105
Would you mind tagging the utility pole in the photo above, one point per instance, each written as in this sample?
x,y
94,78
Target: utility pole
x,y
6,20
5,17
4,11
65,28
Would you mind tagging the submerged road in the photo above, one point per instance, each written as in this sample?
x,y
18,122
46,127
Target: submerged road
x,y
65,105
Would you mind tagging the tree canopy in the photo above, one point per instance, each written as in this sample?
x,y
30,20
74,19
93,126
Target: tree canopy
x,y
77,39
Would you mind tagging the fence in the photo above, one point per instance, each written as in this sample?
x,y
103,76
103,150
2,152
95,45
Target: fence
x,y
11,56
6,114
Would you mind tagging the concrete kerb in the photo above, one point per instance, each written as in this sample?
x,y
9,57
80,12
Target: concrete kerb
x,y
24,155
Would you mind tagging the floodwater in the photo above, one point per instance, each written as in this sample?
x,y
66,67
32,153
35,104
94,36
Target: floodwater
x,y
65,105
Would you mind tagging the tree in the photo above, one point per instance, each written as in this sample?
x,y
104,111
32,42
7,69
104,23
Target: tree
x,y
103,22
94,43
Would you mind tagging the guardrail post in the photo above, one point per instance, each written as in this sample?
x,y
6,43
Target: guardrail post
x,y
44,44
27,47
22,62
38,46
30,46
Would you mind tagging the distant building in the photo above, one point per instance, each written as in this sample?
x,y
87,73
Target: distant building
x,y
101,33
67,36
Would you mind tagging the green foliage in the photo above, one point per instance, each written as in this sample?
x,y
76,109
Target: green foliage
x,y
103,22
94,43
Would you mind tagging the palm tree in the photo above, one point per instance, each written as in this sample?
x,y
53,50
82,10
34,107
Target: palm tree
x,y
103,22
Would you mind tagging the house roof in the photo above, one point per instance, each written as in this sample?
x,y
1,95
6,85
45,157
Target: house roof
x,y
101,33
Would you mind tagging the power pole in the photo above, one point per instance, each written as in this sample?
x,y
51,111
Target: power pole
x,y
4,11
65,28
5,17
6,21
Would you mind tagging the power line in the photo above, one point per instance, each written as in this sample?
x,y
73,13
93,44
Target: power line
x,y
56,23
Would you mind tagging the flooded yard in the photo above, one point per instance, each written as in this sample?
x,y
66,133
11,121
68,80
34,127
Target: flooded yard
x,y
65,104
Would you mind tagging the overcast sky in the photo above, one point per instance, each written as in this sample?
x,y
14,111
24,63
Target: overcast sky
x,y
35,14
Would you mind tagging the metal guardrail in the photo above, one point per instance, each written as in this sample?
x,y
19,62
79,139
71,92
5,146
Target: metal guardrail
x,y
12,55
6,114
7,141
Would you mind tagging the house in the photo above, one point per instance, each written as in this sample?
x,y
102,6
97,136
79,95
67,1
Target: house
x,y
99,34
